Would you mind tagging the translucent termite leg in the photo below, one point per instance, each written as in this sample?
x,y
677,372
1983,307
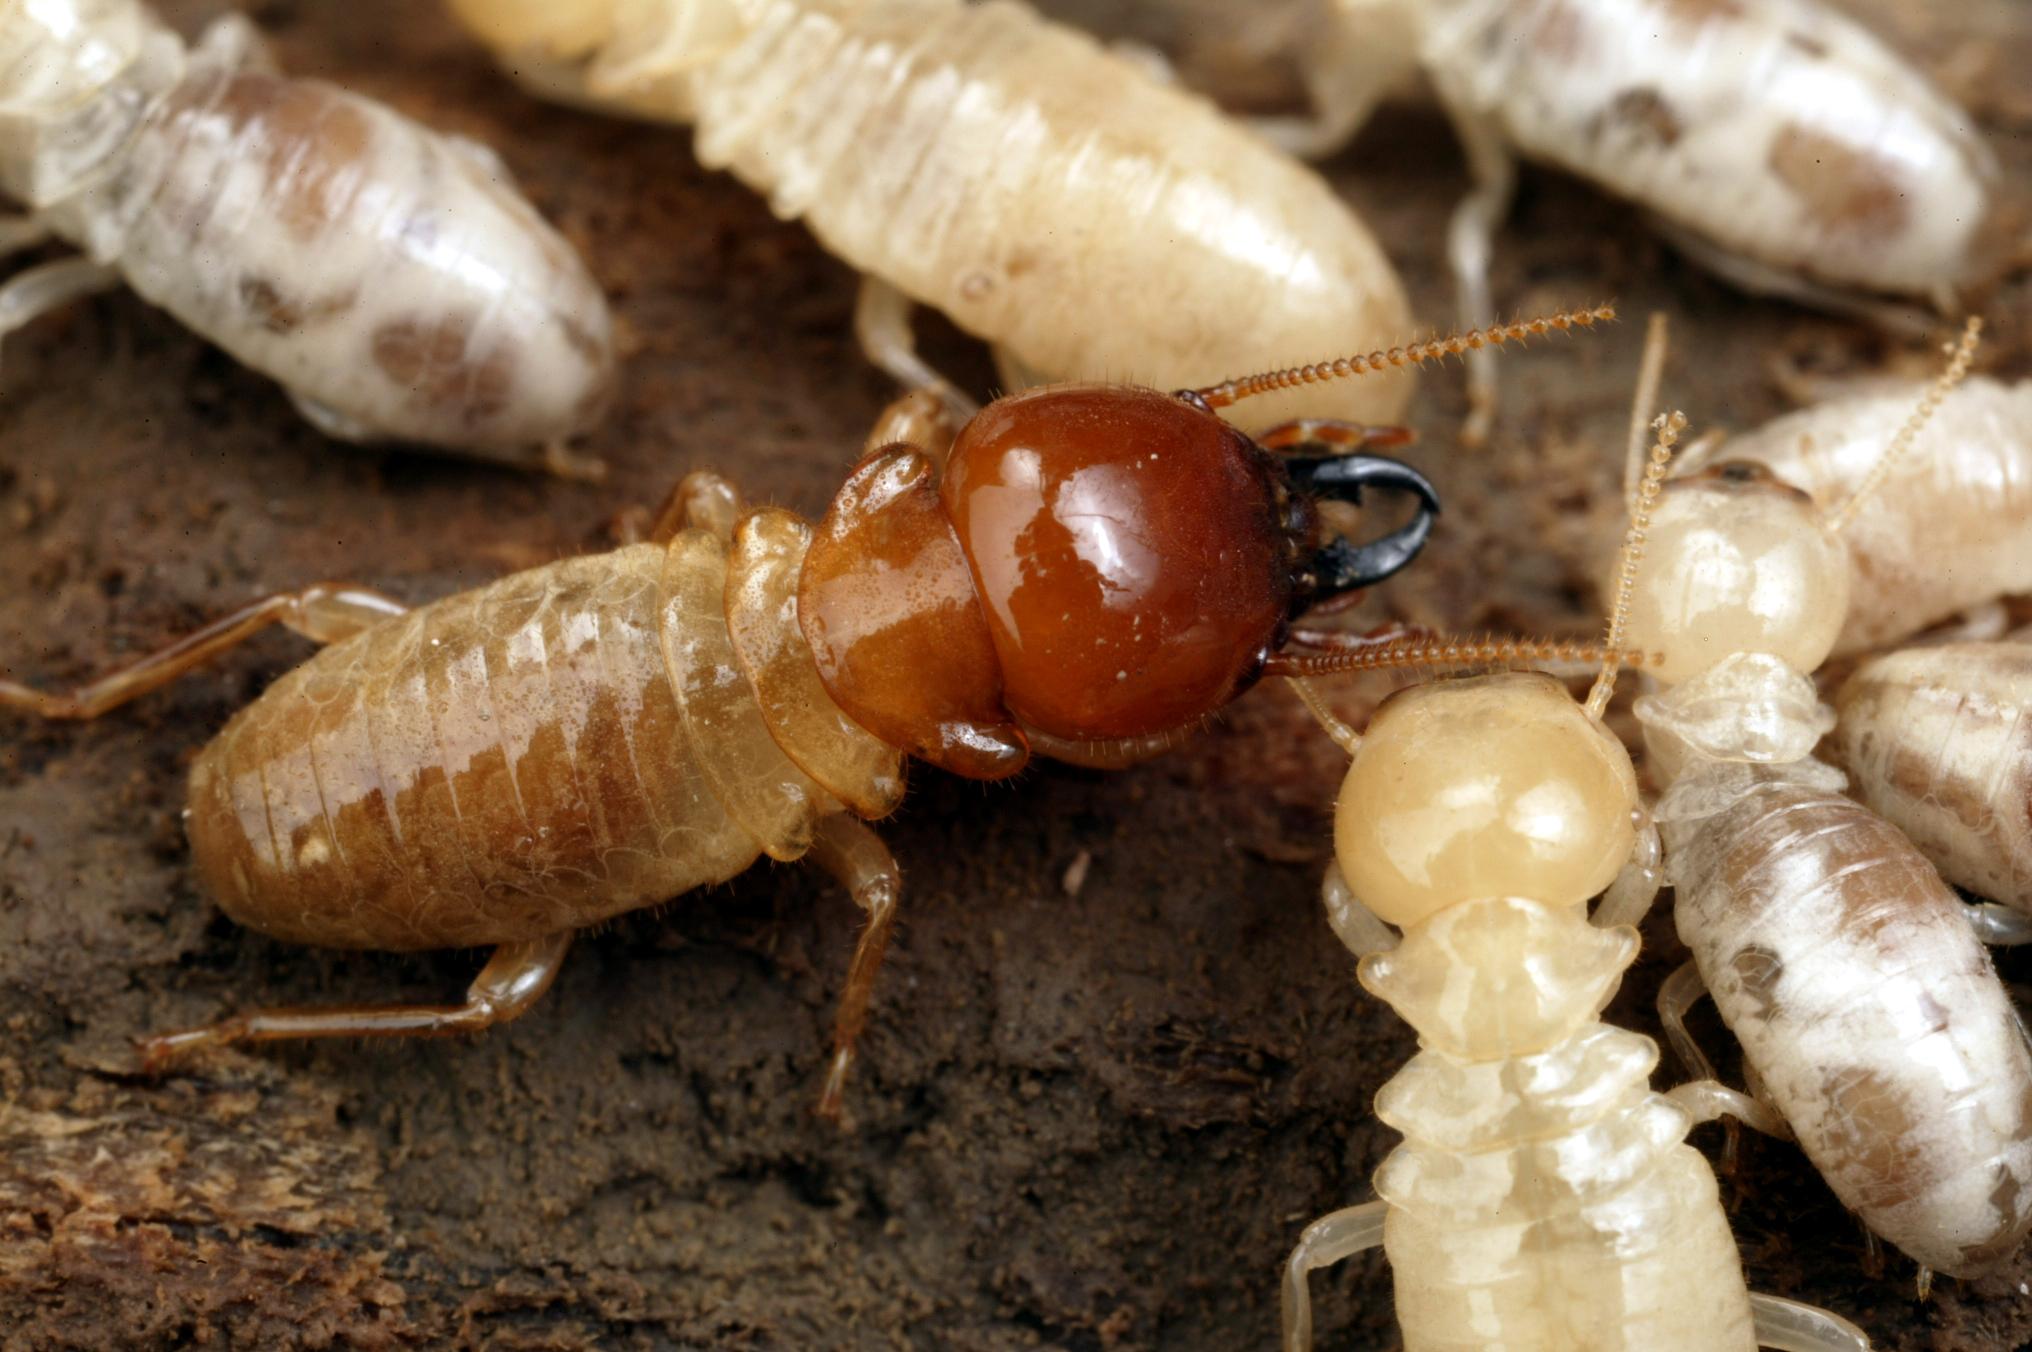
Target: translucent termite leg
x,y
919,418
514,979
34,292
1630,896
1999,925
846,848
882,323
1358,927
701,499
1331,1239
1789,1326
1711,1100
1470,241
323,613
1681,992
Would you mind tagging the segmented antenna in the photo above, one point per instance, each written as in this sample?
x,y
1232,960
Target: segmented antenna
x,y
1649,373
1964,353
1336,727
1443,652
1414,354
1668,427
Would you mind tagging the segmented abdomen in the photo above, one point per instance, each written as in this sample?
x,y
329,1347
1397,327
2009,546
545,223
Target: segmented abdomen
x,y
506,763
1871,1014
1048,196
1939,740
388,276
1778,130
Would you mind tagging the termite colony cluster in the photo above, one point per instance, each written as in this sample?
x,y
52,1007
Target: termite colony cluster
x,y
1834,727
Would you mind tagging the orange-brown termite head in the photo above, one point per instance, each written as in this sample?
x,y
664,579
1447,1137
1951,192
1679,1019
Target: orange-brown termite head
x,y
1098,563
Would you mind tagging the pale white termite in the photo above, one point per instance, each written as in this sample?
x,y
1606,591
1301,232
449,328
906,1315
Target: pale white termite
x,y
1939,740
1869,1013
1777,142
1948,530
1544,1197
1049,196
388,276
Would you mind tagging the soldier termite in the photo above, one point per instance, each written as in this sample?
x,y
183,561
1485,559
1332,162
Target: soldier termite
x,y
1868,1011
1776,142
388,276
1097,568
1088,221
1543,1196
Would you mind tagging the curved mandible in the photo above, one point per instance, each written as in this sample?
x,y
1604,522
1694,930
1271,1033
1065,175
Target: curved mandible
x,y
1341,565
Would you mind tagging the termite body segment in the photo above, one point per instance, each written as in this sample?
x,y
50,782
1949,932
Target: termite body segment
x,y
1948,531
1777,141
1939,740
1544,1197
1868,1011
389,277
1102,567
1047,195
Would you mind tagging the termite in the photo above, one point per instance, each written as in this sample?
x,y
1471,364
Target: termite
x,y
1776,142
1088,221
389,277
1869,1013
1096,570
1939,740
1544,1196
1950,527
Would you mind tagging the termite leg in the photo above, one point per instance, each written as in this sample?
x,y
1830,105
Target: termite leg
x,y
1710,1100
701,499
1999,925
1470,240
1361,929
846,848
1790,1326
919,418
1629,897
1761,279
324,613
882,323
34,292
1314,435
1332,1238
1706,1097
514,979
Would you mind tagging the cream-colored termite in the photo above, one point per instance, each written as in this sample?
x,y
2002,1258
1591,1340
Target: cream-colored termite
x,y
388,276
1776,142
1869,1014
1051,197
1544,1197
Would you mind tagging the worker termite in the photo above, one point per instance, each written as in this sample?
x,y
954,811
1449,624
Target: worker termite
x,y
1868,1011
1949,529
1776,142
388,276
1939,740
1543,1196
1097,568
1049,196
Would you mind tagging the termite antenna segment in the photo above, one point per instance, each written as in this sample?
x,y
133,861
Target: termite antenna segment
x,y
1668,426
1343,734
1412,354
1957,368
1444,653
1649,373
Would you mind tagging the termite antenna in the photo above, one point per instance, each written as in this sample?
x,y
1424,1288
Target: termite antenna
x,y
1668,426
1413,354
1336,727
1649,373
1957,368
1444,652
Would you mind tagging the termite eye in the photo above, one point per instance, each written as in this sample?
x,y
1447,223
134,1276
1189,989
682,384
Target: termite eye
x,y
1499,786
1130,552
1737,561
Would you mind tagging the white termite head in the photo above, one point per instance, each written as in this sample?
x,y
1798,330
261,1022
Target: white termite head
x,y
562,28
1491,786
1738,562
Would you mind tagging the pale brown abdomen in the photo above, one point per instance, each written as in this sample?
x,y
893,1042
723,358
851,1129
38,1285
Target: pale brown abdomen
x,y
1873,1016
1939,740
506,763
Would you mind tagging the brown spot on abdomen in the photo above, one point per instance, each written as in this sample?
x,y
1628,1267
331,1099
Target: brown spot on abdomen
x,y
313,144
1645,111
1869,1121
430,359
1845,190
1758,970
